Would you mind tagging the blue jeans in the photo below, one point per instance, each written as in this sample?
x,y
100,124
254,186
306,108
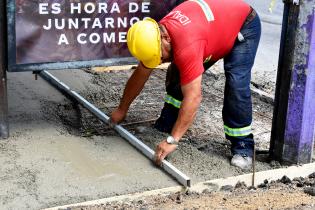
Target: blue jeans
x,y
237,108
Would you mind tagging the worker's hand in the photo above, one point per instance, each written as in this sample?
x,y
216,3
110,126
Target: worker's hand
x,y
117,116
162,150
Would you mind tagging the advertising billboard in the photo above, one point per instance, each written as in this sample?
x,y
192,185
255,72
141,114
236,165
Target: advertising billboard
x,y
54,34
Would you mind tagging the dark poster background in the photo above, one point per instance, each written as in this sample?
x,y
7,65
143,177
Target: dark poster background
x,y
34,44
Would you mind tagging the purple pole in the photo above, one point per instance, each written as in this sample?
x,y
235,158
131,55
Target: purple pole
x,y
299,132
295,143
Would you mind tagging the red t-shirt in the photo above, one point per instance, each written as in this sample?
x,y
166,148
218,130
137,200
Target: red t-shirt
x,y
203,29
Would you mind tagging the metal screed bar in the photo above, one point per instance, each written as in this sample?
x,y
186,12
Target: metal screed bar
x,y
148,152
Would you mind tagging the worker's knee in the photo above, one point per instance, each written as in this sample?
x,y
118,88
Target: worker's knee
x,y
167,118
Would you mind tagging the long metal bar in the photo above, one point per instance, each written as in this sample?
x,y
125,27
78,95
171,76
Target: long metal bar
x,y
147,151
4,124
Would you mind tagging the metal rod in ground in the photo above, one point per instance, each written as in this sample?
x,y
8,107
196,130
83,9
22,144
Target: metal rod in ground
x,y
147,151
254,166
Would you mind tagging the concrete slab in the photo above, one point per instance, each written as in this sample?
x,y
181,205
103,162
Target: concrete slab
x,y
43,165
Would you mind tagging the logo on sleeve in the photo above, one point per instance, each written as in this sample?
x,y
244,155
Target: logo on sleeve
x,y
183,19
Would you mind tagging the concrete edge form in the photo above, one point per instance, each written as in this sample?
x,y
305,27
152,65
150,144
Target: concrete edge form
x,y
212,185
143,148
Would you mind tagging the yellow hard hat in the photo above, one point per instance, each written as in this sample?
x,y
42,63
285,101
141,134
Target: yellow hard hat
x,y
144,42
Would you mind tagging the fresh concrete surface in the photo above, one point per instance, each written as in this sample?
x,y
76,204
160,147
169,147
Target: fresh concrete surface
x,y
42,165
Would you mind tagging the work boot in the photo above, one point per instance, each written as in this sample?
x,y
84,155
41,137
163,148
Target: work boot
x,y
242,161
167,118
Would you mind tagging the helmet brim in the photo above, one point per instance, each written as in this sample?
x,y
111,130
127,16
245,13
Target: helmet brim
x,y
153,63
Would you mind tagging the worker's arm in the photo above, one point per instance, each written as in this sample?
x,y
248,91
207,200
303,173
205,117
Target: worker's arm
x,y
187,112
189,107
133,88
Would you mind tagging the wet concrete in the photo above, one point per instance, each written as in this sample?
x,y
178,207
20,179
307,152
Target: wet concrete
x,y
43,165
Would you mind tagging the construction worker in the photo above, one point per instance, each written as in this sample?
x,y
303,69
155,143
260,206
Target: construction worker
x,y
193,36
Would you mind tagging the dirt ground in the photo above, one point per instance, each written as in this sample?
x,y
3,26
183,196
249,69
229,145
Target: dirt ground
x,y
296,194
279,198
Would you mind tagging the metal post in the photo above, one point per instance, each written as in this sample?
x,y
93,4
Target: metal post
x,y
147,151
4,124
293,128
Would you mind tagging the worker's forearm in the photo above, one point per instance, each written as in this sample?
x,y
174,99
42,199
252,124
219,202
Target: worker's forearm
x,y
134,86
186,116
